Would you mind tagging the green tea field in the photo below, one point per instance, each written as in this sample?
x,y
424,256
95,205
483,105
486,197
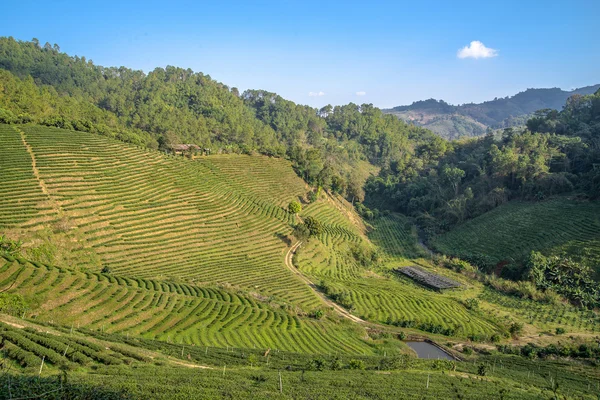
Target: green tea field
x,y
511,231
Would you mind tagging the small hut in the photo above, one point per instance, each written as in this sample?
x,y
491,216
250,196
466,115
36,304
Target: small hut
x,y
185,149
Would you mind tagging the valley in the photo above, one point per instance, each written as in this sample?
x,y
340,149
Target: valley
x,y
163,235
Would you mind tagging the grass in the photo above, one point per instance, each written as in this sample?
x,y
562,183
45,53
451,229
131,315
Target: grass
x,y
511,231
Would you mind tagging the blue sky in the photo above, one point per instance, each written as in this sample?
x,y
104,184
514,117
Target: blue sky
x,y
382,52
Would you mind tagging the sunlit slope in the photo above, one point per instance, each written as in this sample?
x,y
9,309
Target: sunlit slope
x,y
511,231
171,311
221,219
375,293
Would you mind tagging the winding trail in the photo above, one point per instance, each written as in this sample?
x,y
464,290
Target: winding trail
x,y
336,307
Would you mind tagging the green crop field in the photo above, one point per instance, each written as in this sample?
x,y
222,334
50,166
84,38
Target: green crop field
x,y
511,231
47,361
145,214
396,236
376,294
174,312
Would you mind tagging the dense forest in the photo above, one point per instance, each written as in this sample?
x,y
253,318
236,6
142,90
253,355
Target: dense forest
x,y
449,182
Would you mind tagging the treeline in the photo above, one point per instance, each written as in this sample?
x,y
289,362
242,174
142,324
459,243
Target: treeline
x,y
174,105
588,351
449,182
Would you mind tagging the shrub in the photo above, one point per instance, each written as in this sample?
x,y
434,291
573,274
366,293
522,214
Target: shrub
x,y
13,304
259,378
336,364
357,364
560,331
316,314
364,255
316,364
10,247
24,358
482,370
472,304
295,207
397,362
515,329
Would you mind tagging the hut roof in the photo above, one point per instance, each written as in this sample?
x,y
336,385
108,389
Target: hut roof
x,y
185,147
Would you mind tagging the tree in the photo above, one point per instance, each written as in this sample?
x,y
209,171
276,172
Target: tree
x,y
295,207
515,329
355,190
356,364
482,370
453,176
314,226
301,232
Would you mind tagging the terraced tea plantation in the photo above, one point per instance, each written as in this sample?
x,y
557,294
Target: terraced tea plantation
x,y
378,295
28,347
512,231
218,220
397,237
543,316
173,312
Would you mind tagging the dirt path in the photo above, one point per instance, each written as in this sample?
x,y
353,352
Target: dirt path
x,y
36,171
337,308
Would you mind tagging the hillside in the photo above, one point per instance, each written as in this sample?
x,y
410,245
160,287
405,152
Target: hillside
x,y
467,120
509,233
85,203
331,147
139,269
79,363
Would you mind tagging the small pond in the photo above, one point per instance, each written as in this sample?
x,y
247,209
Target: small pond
x,y
427,350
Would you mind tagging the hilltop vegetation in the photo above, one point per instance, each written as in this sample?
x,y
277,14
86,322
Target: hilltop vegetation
x,y
175,105
469,120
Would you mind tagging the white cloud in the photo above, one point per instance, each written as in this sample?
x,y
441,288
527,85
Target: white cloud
x,y
314,94
476,50
361,93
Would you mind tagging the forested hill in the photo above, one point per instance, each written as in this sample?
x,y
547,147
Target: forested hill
x,y
40,84
451,122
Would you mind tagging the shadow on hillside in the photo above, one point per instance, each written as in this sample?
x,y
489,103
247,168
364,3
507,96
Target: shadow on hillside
x,y
284,238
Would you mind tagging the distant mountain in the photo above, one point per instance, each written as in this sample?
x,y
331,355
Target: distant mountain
x,y
472,119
